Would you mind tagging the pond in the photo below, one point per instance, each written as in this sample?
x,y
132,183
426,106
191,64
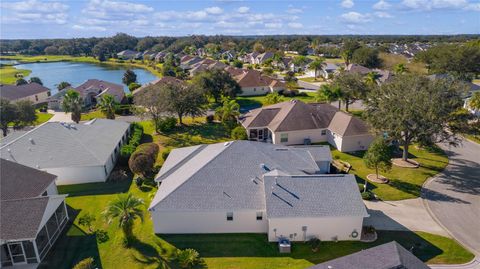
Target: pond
x,y
75,73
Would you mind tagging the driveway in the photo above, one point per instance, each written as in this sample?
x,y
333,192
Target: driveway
x,y
60,116
453,196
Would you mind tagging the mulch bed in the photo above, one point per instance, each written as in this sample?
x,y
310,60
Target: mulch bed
x,y
380,179
406,164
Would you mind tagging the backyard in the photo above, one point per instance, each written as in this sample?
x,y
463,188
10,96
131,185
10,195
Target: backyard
x,y
259,101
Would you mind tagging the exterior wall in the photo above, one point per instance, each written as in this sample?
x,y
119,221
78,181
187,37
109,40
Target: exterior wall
x,y
78,174
251,91
36,98
173,222
326,229
298,137
355,143
52,189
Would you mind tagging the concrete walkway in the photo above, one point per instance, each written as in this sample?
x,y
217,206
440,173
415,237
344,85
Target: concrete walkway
x,y
404,215
475,264
60,116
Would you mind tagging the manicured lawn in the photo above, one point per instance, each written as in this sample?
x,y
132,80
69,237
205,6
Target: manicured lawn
x,y
8,72
259,101
311,79
405,183
94,114
42,117
218,251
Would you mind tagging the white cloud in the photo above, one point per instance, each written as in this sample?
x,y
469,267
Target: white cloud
x,y
355,17
34,11
89,28
243,10
435,4
473,6
383,15
347,3
382,5
295,25
214,10
34,5
294,10
273,25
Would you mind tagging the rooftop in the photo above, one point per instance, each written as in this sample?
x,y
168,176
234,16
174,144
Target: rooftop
x,y
13,92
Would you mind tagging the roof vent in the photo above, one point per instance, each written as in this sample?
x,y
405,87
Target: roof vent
x,y
31,140
226,144
264,167
37,166
9,150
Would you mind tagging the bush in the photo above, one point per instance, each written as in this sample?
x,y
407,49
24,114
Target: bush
x,y
290,93
133,86
367,195
87,263
210,118
239,133
166,124
134,140
142,160
314,243
102,236
139,181
165,153
361,187
187,258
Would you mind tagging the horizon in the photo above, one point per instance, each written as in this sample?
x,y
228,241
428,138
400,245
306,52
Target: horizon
x,y
28,19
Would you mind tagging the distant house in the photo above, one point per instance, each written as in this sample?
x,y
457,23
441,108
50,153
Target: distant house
x,y
257,58
91,90
163,80
32,215
228,55
75,153
329,69
129,55
149,55
253,82
358,69
296,123
160,57
251,187
32,91
387,256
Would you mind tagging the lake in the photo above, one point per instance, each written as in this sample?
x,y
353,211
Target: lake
x,y
75,73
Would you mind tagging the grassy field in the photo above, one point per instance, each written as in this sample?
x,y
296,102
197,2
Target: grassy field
x,y
405,183
218,251
390,60
8,72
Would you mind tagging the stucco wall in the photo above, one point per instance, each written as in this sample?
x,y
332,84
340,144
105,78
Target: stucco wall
x,y
323,228
169,222
355,143
78,174
298,137
250,91
42,97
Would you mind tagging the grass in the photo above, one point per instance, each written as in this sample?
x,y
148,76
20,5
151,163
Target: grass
x,y
218,251
42,117
390,60
9,74
311,79
94,114
259,101
474,138
405,183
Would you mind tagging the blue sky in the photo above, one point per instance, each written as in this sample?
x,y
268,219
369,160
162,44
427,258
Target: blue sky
x,y
86,18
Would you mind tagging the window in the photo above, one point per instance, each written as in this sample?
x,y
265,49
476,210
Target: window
x,y
283,138
254,89
230,216
259,216
324,132
36,98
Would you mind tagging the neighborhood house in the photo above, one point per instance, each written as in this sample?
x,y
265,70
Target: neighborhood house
x,y
252,187
295,122
75,153
32,91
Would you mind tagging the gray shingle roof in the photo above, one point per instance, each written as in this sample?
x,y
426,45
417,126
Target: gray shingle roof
x,y
20,219
225,176
20,181
387,256
53,145
13,92
313,196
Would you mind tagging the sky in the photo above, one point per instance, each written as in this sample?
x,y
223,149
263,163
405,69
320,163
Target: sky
x,y
30,19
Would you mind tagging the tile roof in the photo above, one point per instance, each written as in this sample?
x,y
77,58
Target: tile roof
x,y
20,181
313,196
160,81
56,144
387,256
13,92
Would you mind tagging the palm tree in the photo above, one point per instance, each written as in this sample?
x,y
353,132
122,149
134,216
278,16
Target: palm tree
x,y
72,102
371,78
317,64
400,69
126,209
329,94
229,111
108,105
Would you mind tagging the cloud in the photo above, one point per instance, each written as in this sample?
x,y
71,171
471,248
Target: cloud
x,y
383,15
214,10
273,25
34,5
294,10
382,5
434,4
34,11
347,3
243,10
295,25
355,17
473,6
89,28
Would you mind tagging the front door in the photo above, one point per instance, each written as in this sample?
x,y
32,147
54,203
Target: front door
x,y
260,134
17,253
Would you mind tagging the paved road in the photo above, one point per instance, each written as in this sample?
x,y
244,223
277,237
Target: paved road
x,y
453,196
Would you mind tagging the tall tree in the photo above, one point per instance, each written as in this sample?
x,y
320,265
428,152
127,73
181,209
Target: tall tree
x,y
108,105
348,48
378,156
25,113
129,77
216,84
35,80
316,65
413,108
367,57
328,93
73,102
184,100
8,114
151,104
125,209
352,87
474,101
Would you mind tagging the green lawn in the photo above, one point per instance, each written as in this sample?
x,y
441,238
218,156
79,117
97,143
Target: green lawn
x,y
405,183
312,79
218,251
94,114
42,117
474,138
258,101
8,72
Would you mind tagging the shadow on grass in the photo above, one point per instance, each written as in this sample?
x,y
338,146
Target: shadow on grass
x,y
95,188
196,133
247,104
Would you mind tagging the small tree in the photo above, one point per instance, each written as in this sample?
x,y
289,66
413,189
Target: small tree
x,y
25,113
273,98
129,77
228,112
316,65
187,258
35,80
87,220
142,160
87,263
108,105
239,133
329,94
20,81
72,102
378,156
62,85
8,114
474,101
352,86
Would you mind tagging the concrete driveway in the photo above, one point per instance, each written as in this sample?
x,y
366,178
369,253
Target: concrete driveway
x,y
60,116
453,196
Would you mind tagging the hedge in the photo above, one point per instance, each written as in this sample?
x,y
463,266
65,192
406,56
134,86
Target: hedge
x,y
133,141
143,159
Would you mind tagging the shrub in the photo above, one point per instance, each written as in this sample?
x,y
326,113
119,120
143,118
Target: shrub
x,y
187,258
290,93
165,153
138,181
210,118
142,160
86,220
367,195
134,140
133,86
361,187
239,133
166,124
314,243
102,236
87,263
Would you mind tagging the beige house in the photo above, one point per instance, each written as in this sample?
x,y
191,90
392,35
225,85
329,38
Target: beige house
x,y
32,91
295,123
253,82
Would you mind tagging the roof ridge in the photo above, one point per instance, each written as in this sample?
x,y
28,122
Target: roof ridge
x,y
183,161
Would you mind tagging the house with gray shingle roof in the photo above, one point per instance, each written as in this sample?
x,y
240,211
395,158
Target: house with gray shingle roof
x,y
32,214
75,153
295,123
252,187
31,91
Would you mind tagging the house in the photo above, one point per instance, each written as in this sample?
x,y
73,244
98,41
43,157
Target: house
x,y
90,91
358,69
32,91
263,57
75,153
252,187
228,55
295,123
129,55
32,215
328,70
160,57
149,55
160,81
249,57
387,256
253,82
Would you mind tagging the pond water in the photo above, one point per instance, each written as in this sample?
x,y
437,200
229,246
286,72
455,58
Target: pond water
x,y
8,61
75,73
